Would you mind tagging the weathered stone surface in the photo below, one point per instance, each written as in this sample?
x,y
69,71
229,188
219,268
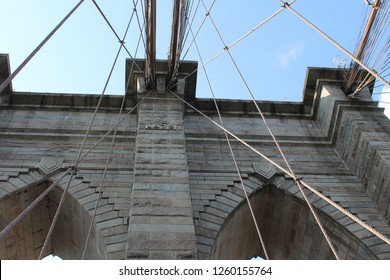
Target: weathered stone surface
x,y
172,191
161,202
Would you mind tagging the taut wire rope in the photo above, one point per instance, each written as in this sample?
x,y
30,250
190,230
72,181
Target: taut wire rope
x,y
27,210
358,61
199,28
36,50
78,158
56,215
77,161
287,172
237,41
319,194
114,127
190,22
232,154
140,26
297,181
111,145
116,34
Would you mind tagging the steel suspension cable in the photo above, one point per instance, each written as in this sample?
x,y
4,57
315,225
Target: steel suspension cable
x,y
361,63
199,28
77,160
116,34
190,22
287,172
233,156
139,24
114,127
37,49
110,150
238,40
55,218
28,209
276,142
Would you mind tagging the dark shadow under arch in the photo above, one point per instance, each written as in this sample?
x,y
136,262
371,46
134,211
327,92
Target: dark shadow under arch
x,y
288,229
25,240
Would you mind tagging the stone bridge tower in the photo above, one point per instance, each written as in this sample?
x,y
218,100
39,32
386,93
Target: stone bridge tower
x,y
170,189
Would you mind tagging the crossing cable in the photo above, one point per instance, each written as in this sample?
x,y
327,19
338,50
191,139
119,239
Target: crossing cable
x,y
361,63
37,49
116,34
111,147
77,161
296,180
199,28
114,127
140,26
237,41
232,154
55,218
287,172
29,208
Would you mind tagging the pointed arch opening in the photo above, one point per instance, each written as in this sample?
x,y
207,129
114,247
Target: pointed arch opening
x,y
288,229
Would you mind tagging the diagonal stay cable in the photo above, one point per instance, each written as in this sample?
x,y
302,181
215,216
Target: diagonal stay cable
x,y
37,49
7,229
56,215
190,21
232,154
2,87
140,26
27,210
287,172
358,61
238,40
115,126
116,34
198,30
77,160
109,153
297,181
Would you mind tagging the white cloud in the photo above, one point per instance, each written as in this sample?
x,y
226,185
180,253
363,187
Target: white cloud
x,y
285,57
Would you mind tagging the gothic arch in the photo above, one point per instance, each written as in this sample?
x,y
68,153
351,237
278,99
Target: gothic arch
x,y
287,226
26,239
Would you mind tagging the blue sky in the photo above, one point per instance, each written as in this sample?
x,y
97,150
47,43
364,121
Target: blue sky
x,y
273,59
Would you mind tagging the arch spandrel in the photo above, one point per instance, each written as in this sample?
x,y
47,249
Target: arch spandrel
x,y
109,231
287,226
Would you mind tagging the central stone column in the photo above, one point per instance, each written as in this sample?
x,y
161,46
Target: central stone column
x,y
161,224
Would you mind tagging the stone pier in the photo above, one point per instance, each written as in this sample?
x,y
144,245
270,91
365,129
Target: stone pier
x,y
161,223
